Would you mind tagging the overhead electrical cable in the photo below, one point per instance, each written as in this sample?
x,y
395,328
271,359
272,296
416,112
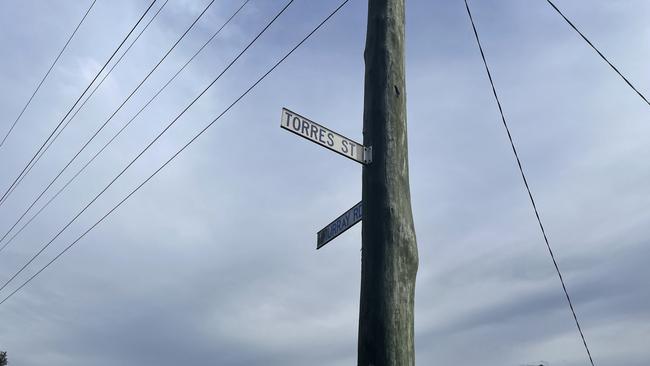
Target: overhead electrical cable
x,y
109,141
4,195
268,25
65,125
241,96
38,87
530,195
598,52
105,122
88,97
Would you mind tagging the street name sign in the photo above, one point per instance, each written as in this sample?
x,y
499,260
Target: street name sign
x,y
314,132
340,225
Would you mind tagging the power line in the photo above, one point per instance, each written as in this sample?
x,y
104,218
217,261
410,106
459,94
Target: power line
x,y
598,52
47,147
56,59
268,25
114,137
530,195
107,120
241,96
107,143
56,136
3,198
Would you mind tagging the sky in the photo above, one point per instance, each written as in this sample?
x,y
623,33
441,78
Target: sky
x,y
213,261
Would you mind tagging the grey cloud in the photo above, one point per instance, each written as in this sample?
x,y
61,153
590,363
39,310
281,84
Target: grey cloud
x,y
214,261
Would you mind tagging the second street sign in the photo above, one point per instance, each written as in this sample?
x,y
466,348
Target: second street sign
x,y
338,226
312,131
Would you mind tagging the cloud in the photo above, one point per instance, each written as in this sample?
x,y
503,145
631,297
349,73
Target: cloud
x,y
214,260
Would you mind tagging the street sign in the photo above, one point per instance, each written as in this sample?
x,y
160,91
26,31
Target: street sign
x,y
314,132
338,226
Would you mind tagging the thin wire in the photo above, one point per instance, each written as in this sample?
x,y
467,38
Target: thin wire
x,y
530,195
111,140
268,25
598,51
47,147
259,80
3,198
47,74
38,158
107,121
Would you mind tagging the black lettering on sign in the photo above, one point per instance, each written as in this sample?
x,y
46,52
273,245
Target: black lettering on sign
x,y
296,124
305,128
352,146
289,115
321,134
344,147
330,139
313,132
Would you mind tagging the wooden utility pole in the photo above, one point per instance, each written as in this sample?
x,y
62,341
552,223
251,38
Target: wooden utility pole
x,y
389,248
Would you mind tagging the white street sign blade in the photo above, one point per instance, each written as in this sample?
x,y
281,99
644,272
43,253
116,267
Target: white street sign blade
x,y
314,132
340,225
